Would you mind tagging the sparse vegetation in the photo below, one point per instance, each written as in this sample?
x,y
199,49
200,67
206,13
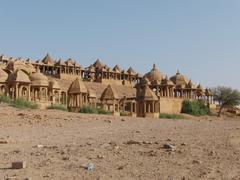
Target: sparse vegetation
x,y
171,116
5,99
19,103
58,107
92,110
124,114
196,107
226,96
23,103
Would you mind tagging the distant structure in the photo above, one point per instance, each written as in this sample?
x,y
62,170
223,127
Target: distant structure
x,y
49,82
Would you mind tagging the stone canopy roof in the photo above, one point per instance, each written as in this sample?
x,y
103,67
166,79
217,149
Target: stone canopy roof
x,y
77,86
117,69
48,60
19,76
131,71
148,94
190,85
98,64
109,94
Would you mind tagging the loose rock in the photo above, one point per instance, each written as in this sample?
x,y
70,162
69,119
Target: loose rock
x,y
169,147
19,165
130,142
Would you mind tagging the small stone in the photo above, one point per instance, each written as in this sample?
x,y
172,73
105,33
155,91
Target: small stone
x,y
183,178
120,167
130,142
196,162
21,114
39,146
169,147
100,156
116,147
212,153
3,141
89,143
65,158
147,142
19,165
113,143
16,151
109,121
123,120
28,178
11,178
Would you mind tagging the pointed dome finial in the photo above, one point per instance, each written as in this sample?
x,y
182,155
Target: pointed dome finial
x,y
178,71
154,66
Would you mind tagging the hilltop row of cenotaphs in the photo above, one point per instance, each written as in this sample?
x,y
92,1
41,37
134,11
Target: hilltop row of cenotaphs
x,y
48,82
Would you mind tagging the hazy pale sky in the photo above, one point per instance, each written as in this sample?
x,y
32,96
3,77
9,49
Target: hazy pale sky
x,y
201,38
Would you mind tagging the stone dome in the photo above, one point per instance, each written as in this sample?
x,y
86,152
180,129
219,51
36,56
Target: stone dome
x,y
167,82
38,79
154,76
179,79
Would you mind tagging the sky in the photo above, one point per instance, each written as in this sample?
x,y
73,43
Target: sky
x,y
200,38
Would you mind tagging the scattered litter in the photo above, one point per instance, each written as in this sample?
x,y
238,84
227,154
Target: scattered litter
x,y
90,167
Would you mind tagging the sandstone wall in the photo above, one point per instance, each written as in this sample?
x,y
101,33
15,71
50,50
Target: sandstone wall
x,y
170,106
69,77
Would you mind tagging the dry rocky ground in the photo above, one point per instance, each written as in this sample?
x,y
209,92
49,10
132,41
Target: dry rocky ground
x,y
58,145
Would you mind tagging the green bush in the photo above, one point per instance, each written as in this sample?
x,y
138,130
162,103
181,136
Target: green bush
x,y
196,107
124,114
5,99
23,103
171,116
88,110
58,107
92,110
103,111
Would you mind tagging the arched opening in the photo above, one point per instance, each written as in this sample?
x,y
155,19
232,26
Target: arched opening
x,y
3,90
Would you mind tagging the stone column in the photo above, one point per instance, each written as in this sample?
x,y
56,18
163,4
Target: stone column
x,y
167,89
16,91
145,108
29,92
153,107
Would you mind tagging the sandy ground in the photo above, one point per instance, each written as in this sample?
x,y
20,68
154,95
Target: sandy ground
x,y
58,145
